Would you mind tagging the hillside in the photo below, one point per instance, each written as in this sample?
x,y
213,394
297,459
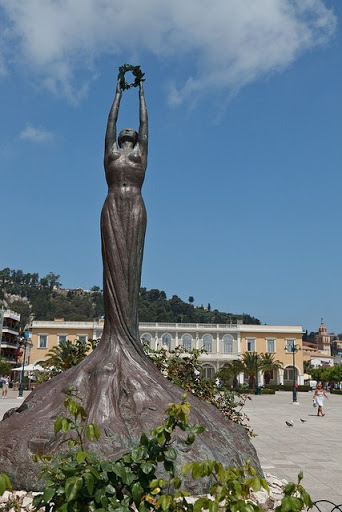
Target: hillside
x,y
45,299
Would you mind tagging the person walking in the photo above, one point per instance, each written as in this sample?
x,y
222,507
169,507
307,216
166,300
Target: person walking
x,y
319,396
5,385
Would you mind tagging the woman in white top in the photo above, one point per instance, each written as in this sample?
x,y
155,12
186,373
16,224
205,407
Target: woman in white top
x,y
5,384
319,396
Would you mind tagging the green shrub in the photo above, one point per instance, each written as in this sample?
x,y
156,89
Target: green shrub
x,y
77,481
336,391
263,391
287,387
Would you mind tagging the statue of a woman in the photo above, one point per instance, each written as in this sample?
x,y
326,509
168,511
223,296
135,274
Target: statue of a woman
x,y
122,390
123,224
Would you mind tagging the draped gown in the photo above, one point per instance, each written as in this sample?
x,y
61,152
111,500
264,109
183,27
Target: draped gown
x,y
123,226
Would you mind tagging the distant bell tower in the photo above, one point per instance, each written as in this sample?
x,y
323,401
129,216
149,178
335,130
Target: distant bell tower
x,y
323,339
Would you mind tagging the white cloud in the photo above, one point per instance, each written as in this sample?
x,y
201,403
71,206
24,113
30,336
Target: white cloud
x,y
35,134
230,42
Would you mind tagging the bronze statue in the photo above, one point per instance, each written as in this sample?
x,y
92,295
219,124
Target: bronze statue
x,y
122,390
123,224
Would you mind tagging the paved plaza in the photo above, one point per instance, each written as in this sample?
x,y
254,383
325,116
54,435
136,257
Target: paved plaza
x,y
313,446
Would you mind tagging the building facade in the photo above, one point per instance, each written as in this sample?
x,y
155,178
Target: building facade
x,y
9,336
222,342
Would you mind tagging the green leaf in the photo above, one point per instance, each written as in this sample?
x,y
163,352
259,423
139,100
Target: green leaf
x,y
165,502
120,471
197,470
147,467
170,453
201,504
255,484
81,456
289,488
5,483
72,487
191,438
95,472
144,439
138,453
137,492
66,425
100,493
213,506
92,432
89,482
58,425
49,494
291,504
154,483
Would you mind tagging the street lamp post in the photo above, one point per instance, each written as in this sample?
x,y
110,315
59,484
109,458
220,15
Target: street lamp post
x,y
257,390
294,350
22,373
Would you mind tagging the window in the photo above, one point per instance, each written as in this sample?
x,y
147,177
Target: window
x,y
207,343
146,339
270,346
288,373
228,344
166,340
62,337
82,338
187,342
289,345
42,342
250,343
208,372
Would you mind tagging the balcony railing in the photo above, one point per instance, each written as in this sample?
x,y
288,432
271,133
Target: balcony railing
x,y
6,343
182,326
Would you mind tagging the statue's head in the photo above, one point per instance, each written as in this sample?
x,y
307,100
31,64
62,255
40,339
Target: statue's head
x,y
128,134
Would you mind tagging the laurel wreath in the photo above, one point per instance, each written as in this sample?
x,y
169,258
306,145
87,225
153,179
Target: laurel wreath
x,y
137,73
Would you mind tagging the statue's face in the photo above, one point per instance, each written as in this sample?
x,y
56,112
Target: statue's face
x,y
128,134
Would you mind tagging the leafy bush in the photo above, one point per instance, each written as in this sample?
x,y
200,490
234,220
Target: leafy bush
x,y
287,387
336,391
183,368
263,391
77,480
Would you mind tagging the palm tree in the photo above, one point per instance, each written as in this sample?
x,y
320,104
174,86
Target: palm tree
x,y
267,364
231,370
251,364
65,355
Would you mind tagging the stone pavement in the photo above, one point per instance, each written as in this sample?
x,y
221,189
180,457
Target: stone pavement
x,y
313,446
11,401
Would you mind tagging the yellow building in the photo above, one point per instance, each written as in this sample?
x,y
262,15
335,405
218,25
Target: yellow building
x,y
222,342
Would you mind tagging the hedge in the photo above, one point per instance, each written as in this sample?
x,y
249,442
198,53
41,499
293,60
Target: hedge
x,y
336,391
287,387
264,391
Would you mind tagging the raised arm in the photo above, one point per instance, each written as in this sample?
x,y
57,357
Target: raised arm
x,y
143,126
112,118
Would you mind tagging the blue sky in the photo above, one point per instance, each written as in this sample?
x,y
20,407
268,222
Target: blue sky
x,y
244,175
